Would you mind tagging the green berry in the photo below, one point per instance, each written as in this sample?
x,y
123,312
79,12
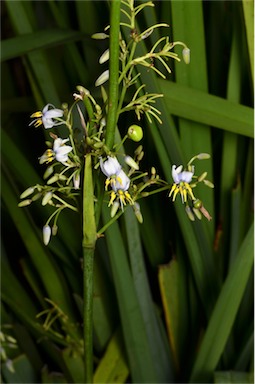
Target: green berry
x,y
135,132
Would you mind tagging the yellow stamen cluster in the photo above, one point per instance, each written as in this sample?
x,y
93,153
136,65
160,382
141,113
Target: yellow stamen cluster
x,y
112,181
124,197
184,189
38,116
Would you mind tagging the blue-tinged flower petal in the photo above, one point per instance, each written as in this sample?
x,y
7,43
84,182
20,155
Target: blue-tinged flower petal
x,y
122,182
110,167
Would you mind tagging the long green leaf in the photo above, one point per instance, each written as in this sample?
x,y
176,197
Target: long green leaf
x,y
136,341
209,109
224,313
23,44
159,351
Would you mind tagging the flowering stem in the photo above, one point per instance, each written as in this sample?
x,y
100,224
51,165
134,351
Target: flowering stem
x,y
89,242
114,73
110,222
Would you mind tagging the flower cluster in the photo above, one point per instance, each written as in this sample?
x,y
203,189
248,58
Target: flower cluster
x,y
119,182
125,184
184,183
49,117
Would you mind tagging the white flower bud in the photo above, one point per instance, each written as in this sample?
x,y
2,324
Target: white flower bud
x,y
186,55
102,78
46,234
104,57
76,181
131,162
27,192
46,198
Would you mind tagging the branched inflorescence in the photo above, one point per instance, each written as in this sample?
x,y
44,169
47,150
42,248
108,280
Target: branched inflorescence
x,y
125,182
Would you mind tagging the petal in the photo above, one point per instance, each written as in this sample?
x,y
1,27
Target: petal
x,y
48,123
62,158
52,113
122,182
186,176
175,173
45,109
63,150
58,143
110,167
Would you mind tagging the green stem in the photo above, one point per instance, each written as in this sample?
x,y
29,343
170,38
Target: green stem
x,y
114,73
89,242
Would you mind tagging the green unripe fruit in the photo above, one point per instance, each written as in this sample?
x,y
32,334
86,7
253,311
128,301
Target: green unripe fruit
x,y
135,132
197,204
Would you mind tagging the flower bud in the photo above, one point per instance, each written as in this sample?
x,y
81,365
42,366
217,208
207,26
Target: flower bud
x,y
46,198
102,78
46,234
48,172
53,179
197,213
114,209
203,156
138,150
140,156
104,57
9,365
54,230
36,196
138,213
135,132
27,192
131,162
76,181
202,177
189,213
208,183
24,203
99,36
82,90
186,55
98,145
205,213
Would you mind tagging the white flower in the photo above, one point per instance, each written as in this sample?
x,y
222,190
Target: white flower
x,y
115,174
181,183
61,150
179,176
47,116
119,182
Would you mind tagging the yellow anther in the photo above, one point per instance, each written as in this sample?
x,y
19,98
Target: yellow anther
x,y
37,114
113,197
